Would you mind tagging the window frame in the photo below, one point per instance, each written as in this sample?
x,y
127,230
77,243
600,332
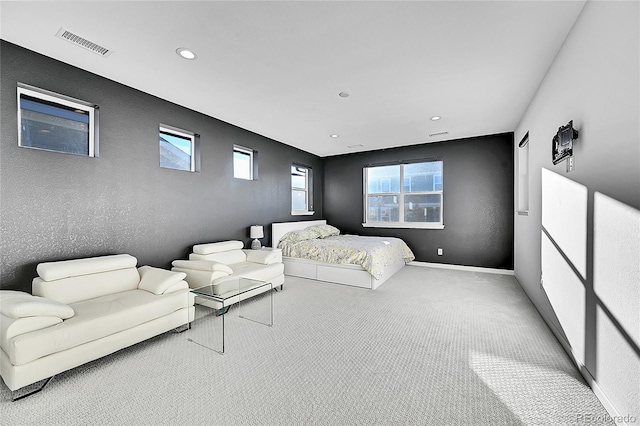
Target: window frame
x,y
65,101
308,190
401,197
251,153
522,162
185,134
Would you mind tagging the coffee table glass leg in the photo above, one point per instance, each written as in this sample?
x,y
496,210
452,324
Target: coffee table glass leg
x,y
259,309
208,328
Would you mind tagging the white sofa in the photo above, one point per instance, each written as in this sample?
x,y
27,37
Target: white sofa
x,y
219,264
84,309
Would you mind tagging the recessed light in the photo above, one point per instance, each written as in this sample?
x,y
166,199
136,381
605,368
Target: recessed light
x,y
343,94
185,53
334,136
435,118
355,146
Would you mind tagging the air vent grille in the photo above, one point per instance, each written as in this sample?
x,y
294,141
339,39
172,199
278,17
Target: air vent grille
x,y
83,42
431,135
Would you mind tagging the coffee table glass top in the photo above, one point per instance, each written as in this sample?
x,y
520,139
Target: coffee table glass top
x,y
244,285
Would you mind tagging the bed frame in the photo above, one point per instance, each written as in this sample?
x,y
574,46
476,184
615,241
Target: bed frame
x,y
352,275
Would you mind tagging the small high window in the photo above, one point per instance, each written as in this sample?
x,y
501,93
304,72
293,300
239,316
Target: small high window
x,y
178,149
54,122
243,163
301,190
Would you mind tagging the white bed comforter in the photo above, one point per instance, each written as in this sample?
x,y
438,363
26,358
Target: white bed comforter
x,y
371,253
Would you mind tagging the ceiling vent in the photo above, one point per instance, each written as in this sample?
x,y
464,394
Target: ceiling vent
x,y
431,135
83,42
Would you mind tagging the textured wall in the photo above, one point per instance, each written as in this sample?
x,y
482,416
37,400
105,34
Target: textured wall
x,y
57,206
591,276
478,200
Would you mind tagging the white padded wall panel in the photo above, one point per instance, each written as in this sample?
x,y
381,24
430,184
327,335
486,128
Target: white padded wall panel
x,y
567,295
564,254
564,216
616,282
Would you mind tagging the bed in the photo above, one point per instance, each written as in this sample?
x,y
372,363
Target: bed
x,y
373,260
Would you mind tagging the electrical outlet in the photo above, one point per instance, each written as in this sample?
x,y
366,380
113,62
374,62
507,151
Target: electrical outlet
x,y
439,251
570,164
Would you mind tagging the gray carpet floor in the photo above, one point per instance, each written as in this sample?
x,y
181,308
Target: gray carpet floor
x,y
429,347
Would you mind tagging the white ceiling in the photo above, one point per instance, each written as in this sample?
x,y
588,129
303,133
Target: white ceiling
x,y
276,68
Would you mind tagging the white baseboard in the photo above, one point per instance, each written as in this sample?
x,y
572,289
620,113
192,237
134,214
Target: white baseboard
x,y
584,372
462,268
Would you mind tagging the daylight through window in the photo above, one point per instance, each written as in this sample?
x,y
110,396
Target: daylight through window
x,y
242,163
54,122
177,149
404,195
301,194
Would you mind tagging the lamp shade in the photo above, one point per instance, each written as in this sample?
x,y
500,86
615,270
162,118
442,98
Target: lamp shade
x,y
257,231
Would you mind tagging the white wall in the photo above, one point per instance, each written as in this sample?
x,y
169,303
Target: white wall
x,y
582,233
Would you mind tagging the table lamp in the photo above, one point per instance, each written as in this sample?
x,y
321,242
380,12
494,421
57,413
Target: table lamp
x,y
256,232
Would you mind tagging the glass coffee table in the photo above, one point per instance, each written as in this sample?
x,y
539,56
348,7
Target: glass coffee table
x,y
219,298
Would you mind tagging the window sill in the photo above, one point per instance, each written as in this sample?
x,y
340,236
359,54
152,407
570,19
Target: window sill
x,y
404,225
302,213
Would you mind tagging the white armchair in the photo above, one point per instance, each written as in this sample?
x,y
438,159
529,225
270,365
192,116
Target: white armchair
x,y
217,263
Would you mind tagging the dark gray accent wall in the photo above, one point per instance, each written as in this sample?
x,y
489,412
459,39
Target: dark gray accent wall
x,y
58,206
478,200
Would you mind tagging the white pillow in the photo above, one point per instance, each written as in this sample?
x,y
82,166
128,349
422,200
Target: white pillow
x,y
156,280
18,304
324,231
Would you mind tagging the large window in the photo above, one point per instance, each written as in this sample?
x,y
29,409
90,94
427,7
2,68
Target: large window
x,y
301,192
177,149
404,195
54,122
243,162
